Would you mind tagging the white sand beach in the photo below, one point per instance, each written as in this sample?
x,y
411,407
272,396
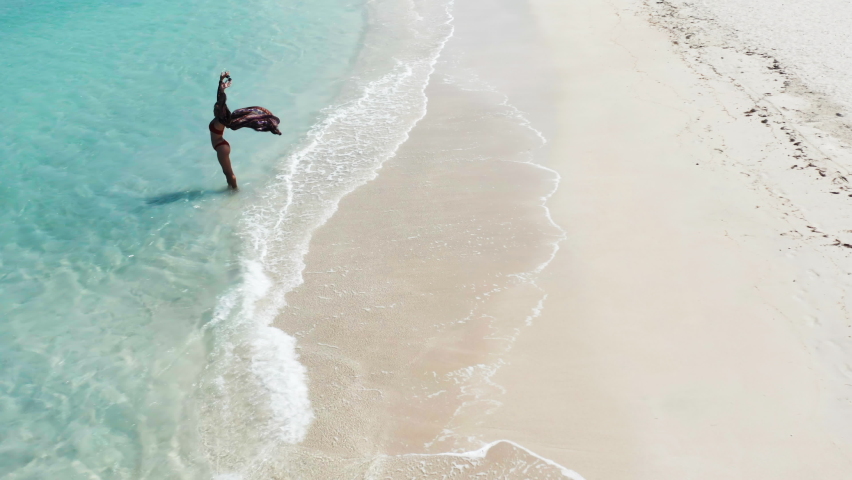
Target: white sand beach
x,y
617,241
696,324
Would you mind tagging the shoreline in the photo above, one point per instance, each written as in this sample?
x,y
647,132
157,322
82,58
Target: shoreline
x,y
417,285
581,249
255,375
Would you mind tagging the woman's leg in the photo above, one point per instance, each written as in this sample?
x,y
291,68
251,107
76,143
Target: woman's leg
x,y
224,155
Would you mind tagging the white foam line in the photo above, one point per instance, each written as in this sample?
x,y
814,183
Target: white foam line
x,y
544,199
536,311
527,277
524,121
481,453
341,113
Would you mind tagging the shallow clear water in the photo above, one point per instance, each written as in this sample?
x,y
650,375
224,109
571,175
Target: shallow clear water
x,y
117,234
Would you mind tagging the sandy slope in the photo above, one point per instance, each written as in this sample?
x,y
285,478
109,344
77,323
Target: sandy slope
x,y
696,321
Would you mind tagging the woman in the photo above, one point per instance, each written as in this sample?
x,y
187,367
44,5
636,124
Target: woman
x,y
257,118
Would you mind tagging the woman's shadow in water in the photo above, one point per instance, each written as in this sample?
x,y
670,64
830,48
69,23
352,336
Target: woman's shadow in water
x,y
186,196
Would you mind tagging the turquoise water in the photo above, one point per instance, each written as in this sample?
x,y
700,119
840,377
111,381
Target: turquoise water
x,y
118,236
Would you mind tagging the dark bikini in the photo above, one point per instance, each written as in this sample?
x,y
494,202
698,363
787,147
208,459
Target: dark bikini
x,y
256,118
217,132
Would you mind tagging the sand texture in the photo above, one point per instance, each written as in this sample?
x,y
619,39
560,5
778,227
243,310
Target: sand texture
x,y
700,329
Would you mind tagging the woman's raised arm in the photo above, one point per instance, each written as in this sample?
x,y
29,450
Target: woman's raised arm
x,y
220,110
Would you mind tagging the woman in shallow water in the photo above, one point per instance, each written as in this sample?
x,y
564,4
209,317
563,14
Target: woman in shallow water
x,y
256,118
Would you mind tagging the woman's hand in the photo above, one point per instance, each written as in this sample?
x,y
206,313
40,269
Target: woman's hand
x,y
223,76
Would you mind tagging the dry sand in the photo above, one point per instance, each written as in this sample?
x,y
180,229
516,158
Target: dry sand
x,y
696,322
